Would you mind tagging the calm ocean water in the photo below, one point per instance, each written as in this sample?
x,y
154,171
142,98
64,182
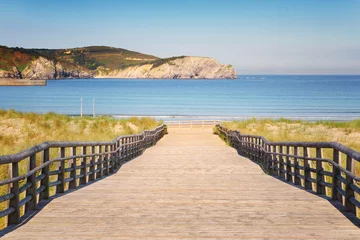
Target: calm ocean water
x,y
304,97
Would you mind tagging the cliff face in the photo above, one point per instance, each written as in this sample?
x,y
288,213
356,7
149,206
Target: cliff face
x,y
11,73
33,64
43,69
181,67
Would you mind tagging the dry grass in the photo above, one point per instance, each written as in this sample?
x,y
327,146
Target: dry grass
x,y
19,131
347,133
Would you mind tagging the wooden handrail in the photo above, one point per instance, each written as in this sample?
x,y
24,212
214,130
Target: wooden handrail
x,y
331,177
96,160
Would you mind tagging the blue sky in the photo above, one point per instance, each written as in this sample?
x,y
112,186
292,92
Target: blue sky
x,y
256,36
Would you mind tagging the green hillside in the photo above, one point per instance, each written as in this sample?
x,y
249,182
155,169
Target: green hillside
x,y
87,57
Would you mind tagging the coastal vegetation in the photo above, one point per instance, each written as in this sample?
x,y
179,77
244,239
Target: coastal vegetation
x,y
346,133
86,57
19,131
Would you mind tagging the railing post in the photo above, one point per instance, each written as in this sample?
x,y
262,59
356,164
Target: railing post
x,y
281,163
31,205
307,175
335,172
100,164
137,146
118,154
268,160
61,176
125,149
274,161
258,146
115,156
132,147
106,161
243,146
14,217
320,189
122,151
45,181
92,166
349,192
288,167
248,147
72,183
297,180
84,168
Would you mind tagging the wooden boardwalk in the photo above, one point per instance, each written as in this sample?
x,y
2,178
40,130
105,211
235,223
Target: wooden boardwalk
x,y
189,186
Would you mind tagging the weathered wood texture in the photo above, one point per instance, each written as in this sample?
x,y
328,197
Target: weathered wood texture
x,y
191,185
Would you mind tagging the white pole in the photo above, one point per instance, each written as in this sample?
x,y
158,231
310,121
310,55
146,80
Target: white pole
x,y
81,107
93,107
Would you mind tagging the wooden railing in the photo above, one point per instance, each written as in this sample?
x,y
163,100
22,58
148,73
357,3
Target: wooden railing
x,y
326,168
192,123
46,176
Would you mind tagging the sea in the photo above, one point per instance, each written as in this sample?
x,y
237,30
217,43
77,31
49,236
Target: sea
x,y
305,97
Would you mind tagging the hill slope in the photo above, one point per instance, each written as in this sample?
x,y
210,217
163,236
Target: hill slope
x,y
101,61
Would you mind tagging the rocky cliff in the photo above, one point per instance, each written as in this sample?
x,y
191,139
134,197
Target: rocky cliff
x,y
181,67
104,62
43,69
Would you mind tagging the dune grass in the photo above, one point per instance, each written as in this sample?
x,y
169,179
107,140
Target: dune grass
x,y
347,133
19,131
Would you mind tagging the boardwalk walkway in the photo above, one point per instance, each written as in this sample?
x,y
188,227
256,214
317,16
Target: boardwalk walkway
x,y
189,186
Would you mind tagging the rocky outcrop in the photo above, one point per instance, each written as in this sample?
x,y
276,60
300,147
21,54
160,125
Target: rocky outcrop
x,y
40,68
13,73
62,73
43,68
175,68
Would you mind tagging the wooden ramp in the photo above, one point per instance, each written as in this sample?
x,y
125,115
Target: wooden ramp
x,y
189,186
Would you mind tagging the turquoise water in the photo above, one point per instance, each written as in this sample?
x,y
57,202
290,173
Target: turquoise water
x,y
309,97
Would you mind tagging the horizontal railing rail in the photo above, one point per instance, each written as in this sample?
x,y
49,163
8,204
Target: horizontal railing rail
x,y
325,168
76,164
192,123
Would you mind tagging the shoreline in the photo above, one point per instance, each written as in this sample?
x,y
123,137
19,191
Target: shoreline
x,y
197,118
21,82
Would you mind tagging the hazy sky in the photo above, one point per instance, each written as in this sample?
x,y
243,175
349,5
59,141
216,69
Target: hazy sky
x,y
256,36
